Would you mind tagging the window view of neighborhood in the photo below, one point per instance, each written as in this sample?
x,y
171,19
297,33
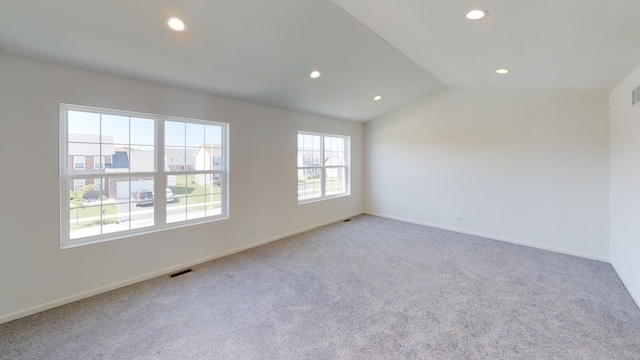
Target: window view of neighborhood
x,y
322,166
113,169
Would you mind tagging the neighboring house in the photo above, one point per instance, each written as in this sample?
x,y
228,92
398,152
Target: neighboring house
x,y
86,156
311,159
120,160
128,161
180,159
208,157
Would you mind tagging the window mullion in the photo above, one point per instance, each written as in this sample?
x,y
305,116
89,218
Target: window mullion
x,y
322,171
160,184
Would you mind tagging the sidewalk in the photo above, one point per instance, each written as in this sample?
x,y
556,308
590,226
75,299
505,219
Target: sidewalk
x,y
137,212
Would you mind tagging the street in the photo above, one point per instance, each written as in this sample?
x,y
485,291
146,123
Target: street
x,y
130,216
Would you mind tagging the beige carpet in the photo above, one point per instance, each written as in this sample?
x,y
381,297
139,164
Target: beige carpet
x,y
370,288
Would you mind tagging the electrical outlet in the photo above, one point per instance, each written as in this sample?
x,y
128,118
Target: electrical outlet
x,y
458,218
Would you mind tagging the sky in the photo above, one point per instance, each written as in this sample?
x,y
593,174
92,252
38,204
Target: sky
x,y
132,131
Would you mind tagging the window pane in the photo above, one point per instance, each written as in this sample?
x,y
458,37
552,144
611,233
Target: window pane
x,y
83,149
142,159
89,153
335,181
213,134
309,183
117,127
118,192
208,157
181,188
142,201
176,210
174,133
196,207
334,152
214,210
194,135
87,207
191,158
99,186
315,141
77,184
175,159
81,157
119,160
309,150
174,204
83,123
143,131
84,221
214,193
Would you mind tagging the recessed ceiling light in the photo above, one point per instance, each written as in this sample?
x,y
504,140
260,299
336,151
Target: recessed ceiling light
x,y
176,24
502,71
315,74
377,97
477,14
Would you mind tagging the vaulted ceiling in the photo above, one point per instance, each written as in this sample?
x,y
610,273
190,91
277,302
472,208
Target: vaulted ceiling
x,y
263,51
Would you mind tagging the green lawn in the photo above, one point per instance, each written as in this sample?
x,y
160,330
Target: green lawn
x,y
193,191
310,183
315,183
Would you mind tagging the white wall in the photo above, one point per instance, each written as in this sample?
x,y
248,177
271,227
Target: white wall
x,y
526,166
35,274
625,184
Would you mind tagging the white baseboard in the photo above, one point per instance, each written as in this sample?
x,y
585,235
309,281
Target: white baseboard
x,y
165,271
495,237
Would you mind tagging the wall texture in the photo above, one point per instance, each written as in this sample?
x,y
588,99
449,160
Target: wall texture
x,y
526,166
625,184
35,274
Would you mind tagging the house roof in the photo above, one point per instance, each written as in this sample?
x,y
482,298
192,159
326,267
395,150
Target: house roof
x,y
179,156
210,150
132,160
120,160
89,145
263,51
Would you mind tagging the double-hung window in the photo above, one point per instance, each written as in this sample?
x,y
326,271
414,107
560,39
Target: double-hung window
x,y
137,190
323,166
97,162
78,162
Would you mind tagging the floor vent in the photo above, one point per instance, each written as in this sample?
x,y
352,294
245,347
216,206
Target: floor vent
x,y
347,220
635,96
181,272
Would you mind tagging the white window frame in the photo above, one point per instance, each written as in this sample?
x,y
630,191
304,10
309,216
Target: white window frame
x,y
100,162
77,184
323,167
83,162
99,183
159,177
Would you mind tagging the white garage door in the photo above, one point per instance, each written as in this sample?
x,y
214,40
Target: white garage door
x,y
123,191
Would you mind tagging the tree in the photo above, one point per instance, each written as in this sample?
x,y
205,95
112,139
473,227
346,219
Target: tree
x,y
78,200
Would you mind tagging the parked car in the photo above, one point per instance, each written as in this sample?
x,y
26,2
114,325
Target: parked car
x,y
145,197
170,197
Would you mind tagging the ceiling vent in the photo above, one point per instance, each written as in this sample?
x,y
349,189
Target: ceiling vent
x,y
635,96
